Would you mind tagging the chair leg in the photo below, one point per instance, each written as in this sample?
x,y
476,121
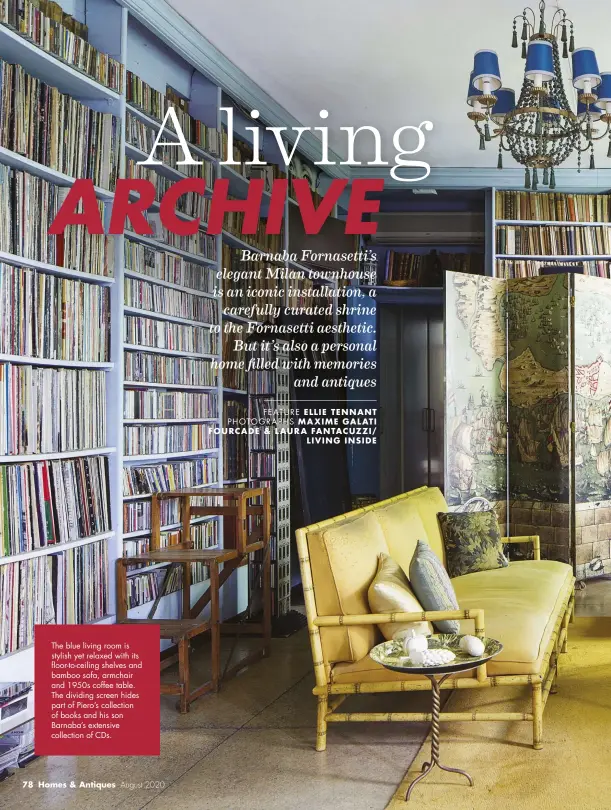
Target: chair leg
x,y
321,724
183,674
572,616
537,702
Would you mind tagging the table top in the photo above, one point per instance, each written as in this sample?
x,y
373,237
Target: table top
x,y
392,656
224,492
181,555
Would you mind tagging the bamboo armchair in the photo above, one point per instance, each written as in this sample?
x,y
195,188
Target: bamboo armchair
x,y
331,695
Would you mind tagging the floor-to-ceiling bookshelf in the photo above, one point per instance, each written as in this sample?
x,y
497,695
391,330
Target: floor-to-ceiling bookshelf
x,y
132,344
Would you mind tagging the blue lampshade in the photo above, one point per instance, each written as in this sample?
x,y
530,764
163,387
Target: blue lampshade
x,y
604,88
486,70
539,61
472,92
585,69
595,111
505,102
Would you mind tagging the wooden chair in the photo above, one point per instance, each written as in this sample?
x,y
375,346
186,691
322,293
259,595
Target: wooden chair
x,y
238,544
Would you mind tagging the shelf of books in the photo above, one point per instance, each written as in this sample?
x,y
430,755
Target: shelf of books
x,y
58,434
537,232
172,399
109,346
269,460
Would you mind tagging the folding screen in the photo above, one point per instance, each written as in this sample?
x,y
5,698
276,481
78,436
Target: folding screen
x,y
592,342
539,408
533,355
476,402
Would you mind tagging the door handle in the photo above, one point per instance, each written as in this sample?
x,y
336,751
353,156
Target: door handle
x,y
432,420
425,420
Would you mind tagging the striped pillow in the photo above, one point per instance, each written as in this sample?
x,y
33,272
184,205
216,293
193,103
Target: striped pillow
x,y
431,584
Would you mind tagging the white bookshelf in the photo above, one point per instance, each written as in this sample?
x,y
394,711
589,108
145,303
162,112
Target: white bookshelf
x,y
115,30
551,258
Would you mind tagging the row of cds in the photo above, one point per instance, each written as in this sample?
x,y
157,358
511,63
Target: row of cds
x,y
151,101
48,502
56,130
169,476
167,266
167,301
198,245
203,534
29,206
70,587
167,335
48,410
143,137
159,439
190,203
154,368
169,405
55,318
61,40
137,514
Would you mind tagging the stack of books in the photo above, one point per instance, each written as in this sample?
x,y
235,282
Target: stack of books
x,y
45,24
552,206
553,240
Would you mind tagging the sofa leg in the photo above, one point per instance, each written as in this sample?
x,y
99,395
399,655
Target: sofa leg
x,y
572,616
321,724
537,701
554,687
565,627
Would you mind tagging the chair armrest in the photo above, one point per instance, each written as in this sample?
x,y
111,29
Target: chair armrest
x,y
477,615
527,538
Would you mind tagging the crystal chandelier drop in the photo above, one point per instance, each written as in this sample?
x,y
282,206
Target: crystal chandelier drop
x,y
541,130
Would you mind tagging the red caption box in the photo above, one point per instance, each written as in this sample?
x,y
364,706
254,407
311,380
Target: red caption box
x,y
96,690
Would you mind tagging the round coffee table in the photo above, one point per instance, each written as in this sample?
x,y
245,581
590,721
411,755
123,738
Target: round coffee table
x,y
391,655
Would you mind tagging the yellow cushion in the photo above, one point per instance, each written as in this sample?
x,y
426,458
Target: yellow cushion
x,y
521,604
521,607
428,502
390,592
344,560
402,527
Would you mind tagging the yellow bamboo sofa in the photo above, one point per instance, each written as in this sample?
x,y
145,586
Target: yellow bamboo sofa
x,y
527,606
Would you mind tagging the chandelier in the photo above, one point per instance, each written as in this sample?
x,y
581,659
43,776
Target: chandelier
x,y
541,130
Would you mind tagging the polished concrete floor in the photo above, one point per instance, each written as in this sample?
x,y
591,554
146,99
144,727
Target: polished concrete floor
x,y
251,746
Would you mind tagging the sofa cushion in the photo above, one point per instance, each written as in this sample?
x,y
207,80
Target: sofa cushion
x,y
521,604
472,541
432,585
402,527
429,502
390,592
344,560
